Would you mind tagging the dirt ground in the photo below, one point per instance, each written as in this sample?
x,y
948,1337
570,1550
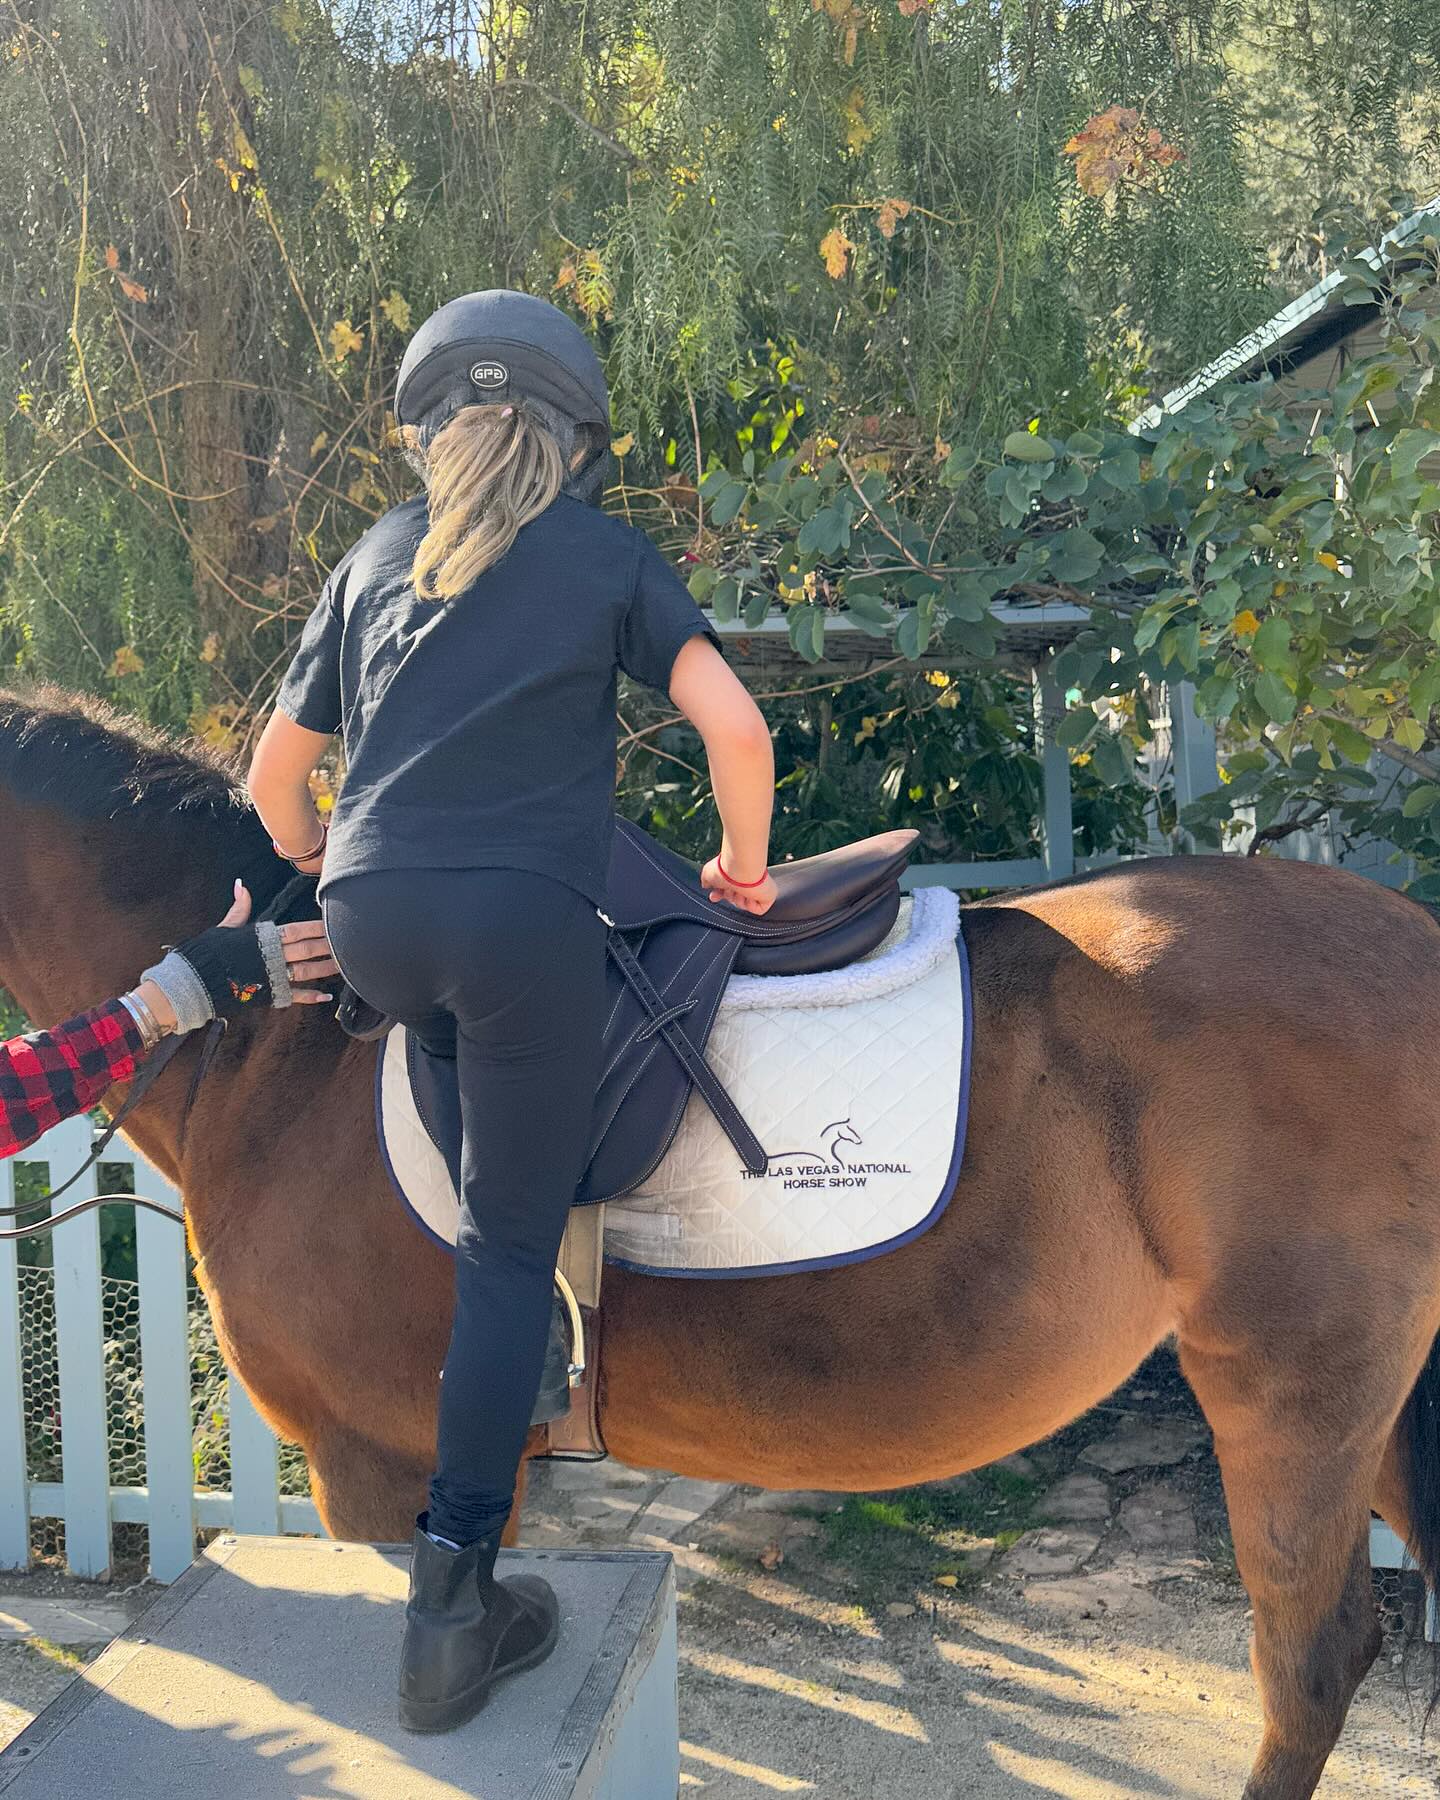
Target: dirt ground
x,y
1067,1624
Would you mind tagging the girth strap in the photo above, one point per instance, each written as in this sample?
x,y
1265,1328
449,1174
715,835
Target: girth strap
x,y
665,1023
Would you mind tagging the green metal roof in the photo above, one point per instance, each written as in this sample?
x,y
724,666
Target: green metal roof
x,y
1316,320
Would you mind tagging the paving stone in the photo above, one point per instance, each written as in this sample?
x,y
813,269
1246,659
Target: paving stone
x,y
583,1477
1145,1444
1105,1595
1078,1498
800,1500
545,1534
1144,1567
1051,1552
1158,1517
618,1507
1018,1465
62,1621
674,1510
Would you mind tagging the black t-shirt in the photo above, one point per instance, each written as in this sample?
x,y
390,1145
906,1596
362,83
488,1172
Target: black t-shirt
x,y
480,732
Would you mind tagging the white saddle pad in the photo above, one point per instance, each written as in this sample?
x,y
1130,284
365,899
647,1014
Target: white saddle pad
x,y
857,1083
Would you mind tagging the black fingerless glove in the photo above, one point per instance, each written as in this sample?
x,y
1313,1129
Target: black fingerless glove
x,y
222,972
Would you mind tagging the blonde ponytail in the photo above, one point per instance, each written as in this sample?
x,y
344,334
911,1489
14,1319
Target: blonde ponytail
x,y
489,471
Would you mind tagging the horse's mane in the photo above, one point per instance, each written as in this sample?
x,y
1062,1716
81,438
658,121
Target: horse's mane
x,y
88,761
84,760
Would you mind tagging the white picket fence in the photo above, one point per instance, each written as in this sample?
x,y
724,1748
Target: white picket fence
x,y
90,1505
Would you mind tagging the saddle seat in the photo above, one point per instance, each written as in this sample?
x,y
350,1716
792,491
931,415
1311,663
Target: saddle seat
x,y
829,909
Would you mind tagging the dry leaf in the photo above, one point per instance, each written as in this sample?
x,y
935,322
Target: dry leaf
x,y
858,132
890,214
132,290
112,257
321,440
126,661
909,7
344,338
836,248
397,310
1245,624
219,727
210,649
1116,146
772,1555
622,446
947,1581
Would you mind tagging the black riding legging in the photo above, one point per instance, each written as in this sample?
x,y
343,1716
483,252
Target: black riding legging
x,y
504,970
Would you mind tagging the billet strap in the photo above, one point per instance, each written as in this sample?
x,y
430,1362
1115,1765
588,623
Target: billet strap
x,y
576,1435
360,1020
582,1252
665,1023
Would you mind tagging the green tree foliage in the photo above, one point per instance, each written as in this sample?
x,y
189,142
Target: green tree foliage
x,y
831,252
227,219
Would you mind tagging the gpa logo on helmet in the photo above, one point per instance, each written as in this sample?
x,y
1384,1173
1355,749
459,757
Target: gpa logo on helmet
x,y
489,374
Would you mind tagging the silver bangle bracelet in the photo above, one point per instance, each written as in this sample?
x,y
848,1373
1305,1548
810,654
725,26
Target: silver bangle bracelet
x,y
150,1031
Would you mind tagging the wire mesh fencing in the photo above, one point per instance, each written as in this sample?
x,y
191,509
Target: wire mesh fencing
x,y
124,1379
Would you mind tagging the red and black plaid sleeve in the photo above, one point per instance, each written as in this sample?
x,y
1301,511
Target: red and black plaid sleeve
x,y
47,1076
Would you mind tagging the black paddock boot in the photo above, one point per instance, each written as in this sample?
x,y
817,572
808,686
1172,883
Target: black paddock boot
x,y
464,1630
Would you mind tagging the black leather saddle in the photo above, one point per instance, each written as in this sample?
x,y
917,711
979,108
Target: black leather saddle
x,y
671,952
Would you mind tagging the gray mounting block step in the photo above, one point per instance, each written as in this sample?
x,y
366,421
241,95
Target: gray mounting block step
x,y
268,1671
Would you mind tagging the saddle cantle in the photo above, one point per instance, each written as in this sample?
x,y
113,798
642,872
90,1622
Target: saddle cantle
x,y
671,952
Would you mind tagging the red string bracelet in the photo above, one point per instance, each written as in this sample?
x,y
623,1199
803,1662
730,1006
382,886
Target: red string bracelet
x,y
732,882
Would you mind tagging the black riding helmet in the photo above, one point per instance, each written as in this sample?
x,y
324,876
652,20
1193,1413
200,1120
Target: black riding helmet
x,y
503,348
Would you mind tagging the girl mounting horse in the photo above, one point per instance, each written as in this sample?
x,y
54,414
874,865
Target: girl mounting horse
x,y
1202,1103
468,648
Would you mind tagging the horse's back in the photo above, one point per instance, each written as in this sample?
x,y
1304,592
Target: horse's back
x,y
1190,936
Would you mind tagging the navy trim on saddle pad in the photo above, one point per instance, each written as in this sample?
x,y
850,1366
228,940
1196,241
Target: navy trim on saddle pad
x,y
842,1260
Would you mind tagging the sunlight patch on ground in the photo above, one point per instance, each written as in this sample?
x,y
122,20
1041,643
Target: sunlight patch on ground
x,y
730,1765
893,1719
1050,1777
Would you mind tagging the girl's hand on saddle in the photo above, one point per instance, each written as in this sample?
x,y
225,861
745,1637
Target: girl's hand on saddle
x,y
307,950
754,898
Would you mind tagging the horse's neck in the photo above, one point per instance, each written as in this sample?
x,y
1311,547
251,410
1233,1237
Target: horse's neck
x,y
78,924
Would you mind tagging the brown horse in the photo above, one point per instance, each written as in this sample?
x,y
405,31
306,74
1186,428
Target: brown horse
x,y
1203,1104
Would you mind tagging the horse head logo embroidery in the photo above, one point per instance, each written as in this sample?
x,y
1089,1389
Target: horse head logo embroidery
x,y
838,1132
